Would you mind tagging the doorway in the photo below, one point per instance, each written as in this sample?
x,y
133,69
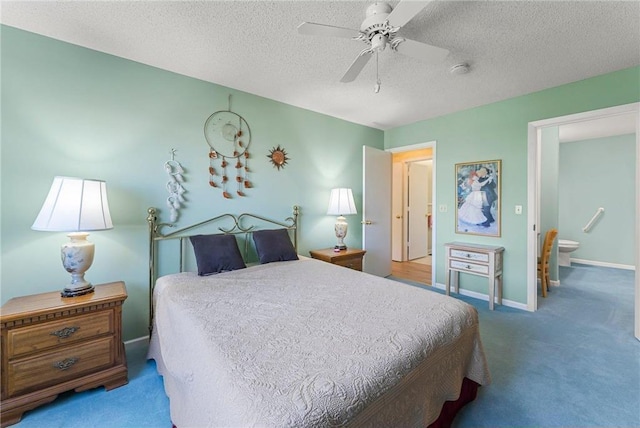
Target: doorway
x,y
412,232
534,153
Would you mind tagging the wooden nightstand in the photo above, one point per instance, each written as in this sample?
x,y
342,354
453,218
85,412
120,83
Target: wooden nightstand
x,y
52,344
351,257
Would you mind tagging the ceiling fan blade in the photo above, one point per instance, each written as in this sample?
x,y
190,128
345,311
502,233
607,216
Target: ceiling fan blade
x,y
423,51
356,67
311,29
405,11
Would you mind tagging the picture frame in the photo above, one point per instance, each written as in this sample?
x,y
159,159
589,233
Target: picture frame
x,y
478,198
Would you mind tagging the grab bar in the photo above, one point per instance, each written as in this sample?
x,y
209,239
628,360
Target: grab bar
x,y
593,220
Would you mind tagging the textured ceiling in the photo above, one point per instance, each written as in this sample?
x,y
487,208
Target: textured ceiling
x,y
512,47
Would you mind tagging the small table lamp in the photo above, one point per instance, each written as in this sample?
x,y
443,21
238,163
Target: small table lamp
x,y
341,204
75,205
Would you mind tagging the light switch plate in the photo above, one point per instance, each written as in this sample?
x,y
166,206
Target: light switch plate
x,y
518,209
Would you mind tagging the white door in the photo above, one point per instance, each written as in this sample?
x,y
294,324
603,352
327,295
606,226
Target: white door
x,y
376,211
397,211
418,210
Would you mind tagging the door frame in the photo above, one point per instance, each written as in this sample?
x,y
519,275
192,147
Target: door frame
x,y
533,151
397,209
432,145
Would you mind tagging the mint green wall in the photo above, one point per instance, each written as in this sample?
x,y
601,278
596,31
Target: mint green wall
x,y
599,173
548,193
67,110
499,131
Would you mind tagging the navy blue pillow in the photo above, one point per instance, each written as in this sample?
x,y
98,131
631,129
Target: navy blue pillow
x,y
216,253
274,246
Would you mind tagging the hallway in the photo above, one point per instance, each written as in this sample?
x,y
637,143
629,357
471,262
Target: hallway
x,y
416,270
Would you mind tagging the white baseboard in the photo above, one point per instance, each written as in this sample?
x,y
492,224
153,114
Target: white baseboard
x,y
137,342
485,297
554,283
603,264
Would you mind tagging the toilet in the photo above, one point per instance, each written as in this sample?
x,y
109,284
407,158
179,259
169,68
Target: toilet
x,y
565,248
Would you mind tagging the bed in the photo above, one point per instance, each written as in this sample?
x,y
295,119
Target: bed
x,y
299,342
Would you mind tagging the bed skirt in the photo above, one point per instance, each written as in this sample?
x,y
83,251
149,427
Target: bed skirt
x,y
450,409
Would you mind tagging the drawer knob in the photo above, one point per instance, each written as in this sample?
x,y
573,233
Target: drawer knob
x,y
66,363
65,332
468,255
468,266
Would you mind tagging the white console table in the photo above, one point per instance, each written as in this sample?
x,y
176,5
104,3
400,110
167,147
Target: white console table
x,y
476,259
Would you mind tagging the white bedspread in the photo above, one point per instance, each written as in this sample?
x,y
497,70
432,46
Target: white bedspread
x,y
310,344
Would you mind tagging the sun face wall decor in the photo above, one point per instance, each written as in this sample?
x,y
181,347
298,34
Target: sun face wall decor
x,y
278,157
228,136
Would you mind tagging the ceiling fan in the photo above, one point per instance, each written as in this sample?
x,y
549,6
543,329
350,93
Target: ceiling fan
x,y
379,30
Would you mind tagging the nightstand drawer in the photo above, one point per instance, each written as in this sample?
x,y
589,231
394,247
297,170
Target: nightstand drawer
x,y
44,336
350,258
55,367
355,263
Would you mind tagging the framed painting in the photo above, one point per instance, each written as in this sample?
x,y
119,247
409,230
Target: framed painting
x,y
478,197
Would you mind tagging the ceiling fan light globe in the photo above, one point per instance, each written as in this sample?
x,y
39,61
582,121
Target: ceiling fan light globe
x,y
378,42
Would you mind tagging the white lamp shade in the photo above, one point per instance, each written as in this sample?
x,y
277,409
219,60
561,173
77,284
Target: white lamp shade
x,y
75,205
341,202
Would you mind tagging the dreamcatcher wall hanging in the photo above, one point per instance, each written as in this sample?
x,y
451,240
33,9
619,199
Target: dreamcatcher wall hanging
x,y
228,136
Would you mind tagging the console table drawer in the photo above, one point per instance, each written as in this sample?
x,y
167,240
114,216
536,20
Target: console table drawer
x,y
469,255
57,366
48,335
469,267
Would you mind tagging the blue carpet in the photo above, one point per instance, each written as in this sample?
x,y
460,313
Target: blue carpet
x,y
573,363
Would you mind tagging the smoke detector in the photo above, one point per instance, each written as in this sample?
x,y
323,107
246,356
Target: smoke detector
x,y
458,69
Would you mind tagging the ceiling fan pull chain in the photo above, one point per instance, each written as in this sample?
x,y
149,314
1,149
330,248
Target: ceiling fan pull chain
x,y
376,88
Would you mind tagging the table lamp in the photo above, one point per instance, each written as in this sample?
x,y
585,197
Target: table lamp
x,y
341,204
78,206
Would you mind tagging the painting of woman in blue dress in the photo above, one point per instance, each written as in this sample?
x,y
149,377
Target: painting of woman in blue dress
x,y
478,202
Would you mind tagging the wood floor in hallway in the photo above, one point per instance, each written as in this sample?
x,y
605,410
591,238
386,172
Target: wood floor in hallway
x,y
417,272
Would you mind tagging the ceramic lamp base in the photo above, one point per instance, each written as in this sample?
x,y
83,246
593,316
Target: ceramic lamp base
x,y
77,257
341,232
77,292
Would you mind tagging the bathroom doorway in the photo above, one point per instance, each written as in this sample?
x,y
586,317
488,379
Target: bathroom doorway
x,y
412,215
536,225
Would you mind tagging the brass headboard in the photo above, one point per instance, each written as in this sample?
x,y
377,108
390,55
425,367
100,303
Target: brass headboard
x,y
236,227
